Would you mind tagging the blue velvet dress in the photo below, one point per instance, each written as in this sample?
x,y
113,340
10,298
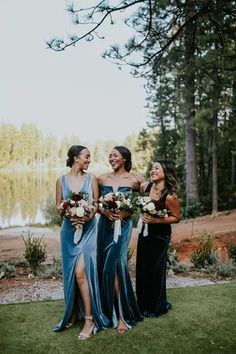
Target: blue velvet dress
x,y
71,253
112,259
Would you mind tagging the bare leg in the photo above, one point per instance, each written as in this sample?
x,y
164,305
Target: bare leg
x,y
84,290
122,328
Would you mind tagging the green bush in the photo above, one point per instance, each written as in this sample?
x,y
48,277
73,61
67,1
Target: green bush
x,y
192,210
232,251
53,270
226,269
174,263
50,213
204,255
172,258
7,269
35,252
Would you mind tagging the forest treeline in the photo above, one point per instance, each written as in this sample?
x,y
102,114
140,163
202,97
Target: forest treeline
x,y
28,148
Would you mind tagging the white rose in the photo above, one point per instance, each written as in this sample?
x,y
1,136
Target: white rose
x,y
72,202
118,203
147,199
151,207
128,202
83,202
80,212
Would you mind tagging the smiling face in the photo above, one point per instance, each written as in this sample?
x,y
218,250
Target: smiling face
x,y
157,173
83,160
116,160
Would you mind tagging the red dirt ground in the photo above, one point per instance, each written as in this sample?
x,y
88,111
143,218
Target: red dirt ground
x,y
222,226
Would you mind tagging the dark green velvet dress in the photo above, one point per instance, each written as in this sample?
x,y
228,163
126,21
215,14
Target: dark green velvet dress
x,y
112,259
151,268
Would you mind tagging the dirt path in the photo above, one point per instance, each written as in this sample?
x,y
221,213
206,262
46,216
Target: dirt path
x,y
12,245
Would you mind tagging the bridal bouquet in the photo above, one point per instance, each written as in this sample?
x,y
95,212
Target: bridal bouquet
x,y
116,202
152,207
76,205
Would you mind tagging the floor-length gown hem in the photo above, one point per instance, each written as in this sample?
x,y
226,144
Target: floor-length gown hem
x,y
71,255
112,260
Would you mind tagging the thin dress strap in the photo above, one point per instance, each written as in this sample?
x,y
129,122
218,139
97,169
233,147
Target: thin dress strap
x,y
149,186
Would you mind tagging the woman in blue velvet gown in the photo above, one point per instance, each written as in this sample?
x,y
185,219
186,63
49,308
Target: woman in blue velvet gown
x,y
79,262
152,249
117,296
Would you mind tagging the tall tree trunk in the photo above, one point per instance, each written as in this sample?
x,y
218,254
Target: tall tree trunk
x,y
233,118
189,90
214,166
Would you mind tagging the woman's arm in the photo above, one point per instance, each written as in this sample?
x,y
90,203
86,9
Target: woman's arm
x,y
95,192
143,188
59,196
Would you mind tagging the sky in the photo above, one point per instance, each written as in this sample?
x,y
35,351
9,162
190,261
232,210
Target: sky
x,y
72,92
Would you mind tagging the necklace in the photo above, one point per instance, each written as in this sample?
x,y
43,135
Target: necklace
x,y
157,191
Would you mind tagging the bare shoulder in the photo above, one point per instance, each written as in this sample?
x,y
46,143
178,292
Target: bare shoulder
x,y
103,178
172,198
93,177
59,180
143,187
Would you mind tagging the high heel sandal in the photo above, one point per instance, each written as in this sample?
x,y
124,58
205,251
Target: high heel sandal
x,y
71,322
122,330
84,336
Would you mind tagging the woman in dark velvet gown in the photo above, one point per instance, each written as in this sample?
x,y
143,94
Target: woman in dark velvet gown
x,y
152,249
117,296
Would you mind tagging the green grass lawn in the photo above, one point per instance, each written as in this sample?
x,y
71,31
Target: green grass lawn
x,y
203,320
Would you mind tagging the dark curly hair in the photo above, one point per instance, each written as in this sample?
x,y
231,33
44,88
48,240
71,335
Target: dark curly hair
x,y
74,151
126,154
171,180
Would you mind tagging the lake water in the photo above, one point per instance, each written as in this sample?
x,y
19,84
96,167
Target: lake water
x,y
22,196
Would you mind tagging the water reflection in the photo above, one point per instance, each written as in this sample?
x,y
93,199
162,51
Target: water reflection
x,y
22,196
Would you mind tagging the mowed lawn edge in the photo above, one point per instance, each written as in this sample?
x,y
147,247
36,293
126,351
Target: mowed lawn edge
x,y
203,320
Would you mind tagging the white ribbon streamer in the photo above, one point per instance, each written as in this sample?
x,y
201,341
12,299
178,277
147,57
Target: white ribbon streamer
x,y
78,233
140,226
145,231
117,229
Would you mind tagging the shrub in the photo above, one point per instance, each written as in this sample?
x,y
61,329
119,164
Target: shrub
x,y
192,210
172,258
7,270
226,269
204,254
35,252
53,270
232,251
50,213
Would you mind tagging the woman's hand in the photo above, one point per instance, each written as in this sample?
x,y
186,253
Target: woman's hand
x,y
149,219
80,221
110,215
124,214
